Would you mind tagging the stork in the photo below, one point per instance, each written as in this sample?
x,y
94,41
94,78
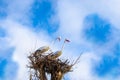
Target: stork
x,y
43,49
58,53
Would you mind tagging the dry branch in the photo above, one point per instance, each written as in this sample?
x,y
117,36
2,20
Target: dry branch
x,y
44,64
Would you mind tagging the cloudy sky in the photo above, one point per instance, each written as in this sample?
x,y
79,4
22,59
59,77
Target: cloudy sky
x,y
92,26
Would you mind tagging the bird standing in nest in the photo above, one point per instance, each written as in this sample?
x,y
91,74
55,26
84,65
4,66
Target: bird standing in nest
x,y
44,49
41,50
58,53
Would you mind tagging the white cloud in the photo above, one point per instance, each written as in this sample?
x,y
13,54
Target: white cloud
x,y
19,10
24,41
83,71
20,36
71,15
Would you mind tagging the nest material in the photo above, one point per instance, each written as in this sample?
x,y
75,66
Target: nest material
x,y
43,64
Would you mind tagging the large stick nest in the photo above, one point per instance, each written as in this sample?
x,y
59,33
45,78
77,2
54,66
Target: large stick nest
x,y
43,64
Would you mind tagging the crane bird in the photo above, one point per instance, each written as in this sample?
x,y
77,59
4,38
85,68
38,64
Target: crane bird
x,y
58,53
43,49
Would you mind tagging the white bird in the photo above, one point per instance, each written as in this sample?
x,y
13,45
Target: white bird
x,y
58,53
41,50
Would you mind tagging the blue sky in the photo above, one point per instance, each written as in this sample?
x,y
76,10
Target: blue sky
x,y
93,28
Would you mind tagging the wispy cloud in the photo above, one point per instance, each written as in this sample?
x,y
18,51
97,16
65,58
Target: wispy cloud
x,y
20,36
70,20
72,15
24,41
